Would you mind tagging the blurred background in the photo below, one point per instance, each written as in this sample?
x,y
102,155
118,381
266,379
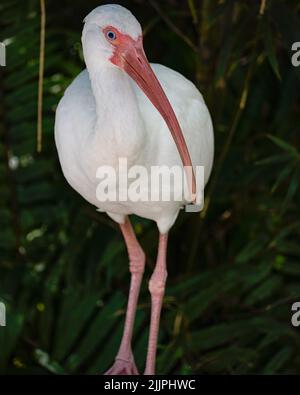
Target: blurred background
x,y
234,269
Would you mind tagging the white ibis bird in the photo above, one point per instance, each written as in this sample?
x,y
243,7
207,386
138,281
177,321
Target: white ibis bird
x,y
121,106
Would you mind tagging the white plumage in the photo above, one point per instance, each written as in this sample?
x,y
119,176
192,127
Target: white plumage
x,y
121,107
104,115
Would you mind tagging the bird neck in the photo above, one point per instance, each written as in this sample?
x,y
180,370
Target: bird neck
x,y
119,127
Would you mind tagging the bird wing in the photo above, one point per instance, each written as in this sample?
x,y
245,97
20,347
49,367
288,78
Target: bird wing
x,y
74,122
79,102
193,117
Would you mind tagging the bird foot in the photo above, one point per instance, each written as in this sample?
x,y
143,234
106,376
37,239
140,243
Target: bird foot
x,y
122,367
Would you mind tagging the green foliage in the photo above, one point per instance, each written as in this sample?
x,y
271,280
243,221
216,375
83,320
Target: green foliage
x,y
234,271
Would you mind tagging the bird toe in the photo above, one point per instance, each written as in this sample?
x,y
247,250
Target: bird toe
x,y
121,367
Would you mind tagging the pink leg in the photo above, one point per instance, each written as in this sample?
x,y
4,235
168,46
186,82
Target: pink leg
x,y
157,290
124,362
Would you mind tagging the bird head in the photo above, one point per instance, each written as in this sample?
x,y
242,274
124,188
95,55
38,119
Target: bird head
x,y
113,37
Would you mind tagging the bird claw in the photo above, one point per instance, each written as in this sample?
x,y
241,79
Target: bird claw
x,y
122,367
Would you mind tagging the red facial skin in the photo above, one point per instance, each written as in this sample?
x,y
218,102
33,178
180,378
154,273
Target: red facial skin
x,y
129,55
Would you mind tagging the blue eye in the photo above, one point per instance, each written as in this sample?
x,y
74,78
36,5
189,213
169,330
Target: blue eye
x,y
111,35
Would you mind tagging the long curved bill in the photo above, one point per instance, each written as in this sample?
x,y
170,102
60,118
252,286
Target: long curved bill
x,y
133,60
